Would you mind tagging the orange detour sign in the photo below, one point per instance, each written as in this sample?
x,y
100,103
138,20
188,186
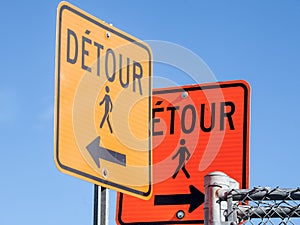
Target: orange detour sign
x,y
197,129
103,104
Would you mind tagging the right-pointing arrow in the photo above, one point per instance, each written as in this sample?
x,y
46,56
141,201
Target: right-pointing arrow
x,y
195,199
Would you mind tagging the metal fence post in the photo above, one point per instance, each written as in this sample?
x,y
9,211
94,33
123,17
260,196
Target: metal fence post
x,y
213,210
226,204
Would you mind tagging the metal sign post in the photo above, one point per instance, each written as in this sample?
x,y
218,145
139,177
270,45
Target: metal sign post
x,y
101,203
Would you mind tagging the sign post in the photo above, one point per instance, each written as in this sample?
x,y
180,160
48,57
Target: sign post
x,y
103,103
101,205
197,129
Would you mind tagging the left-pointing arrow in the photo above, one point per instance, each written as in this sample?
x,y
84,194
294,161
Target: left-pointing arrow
x,y
97,152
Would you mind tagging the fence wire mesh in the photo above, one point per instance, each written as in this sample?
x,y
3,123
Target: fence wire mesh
x,y
261,205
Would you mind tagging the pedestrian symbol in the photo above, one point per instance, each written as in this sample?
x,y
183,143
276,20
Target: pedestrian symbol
x,y
108,109
184,155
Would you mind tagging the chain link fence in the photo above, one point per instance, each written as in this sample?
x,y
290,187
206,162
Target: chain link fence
x,y
225,204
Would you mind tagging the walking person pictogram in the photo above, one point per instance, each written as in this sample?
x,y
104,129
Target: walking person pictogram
x,y
184,155
108,108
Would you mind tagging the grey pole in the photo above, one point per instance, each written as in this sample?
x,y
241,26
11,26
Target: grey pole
x,y
213,183
101,204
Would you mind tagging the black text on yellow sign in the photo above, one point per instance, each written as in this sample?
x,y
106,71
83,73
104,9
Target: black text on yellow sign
x,y
117,67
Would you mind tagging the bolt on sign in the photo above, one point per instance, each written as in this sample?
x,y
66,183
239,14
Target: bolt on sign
x,y
103,103
197,129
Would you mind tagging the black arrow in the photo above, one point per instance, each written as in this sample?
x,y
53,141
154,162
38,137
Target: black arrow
x,y
97,152
195,199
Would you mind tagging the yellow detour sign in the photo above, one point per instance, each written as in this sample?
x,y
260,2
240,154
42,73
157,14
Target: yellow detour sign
x,y
103,103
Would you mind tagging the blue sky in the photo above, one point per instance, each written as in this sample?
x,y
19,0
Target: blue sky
x,y
257,41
